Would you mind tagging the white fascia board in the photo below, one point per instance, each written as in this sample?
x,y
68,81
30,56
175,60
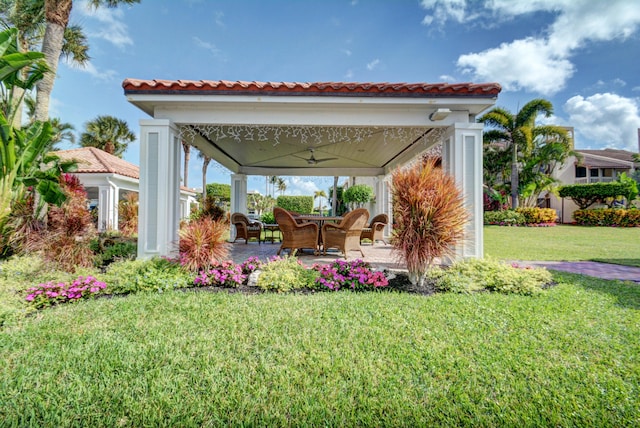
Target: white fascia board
x,y
313,172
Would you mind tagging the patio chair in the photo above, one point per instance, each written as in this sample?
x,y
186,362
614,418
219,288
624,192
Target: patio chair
x,y
245,228
375,230
345,236
295,236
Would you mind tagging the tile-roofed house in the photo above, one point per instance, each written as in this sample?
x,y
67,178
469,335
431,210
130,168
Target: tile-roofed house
x,y
589,166
107,179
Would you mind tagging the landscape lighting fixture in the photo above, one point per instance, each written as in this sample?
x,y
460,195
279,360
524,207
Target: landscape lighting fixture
x,y
440,114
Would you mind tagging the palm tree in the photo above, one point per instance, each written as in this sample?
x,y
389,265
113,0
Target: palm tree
x,y
520,135
56,13
281,185
206,160
107,133
319,194
61,131
187,156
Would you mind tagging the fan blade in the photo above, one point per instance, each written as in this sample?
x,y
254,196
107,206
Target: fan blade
x,y
324,159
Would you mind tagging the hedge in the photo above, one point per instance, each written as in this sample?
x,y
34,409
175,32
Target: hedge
x,y
521,217
617,217
299,204
585,195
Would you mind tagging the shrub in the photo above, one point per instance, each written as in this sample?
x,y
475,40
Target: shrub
x,y
268,218
358,194
128,214
67,241
112,246
53,293
538,215
227,274
608,217
354,275
504,218
285,274
157,274
429,216
202,244
476,274
298,204
585,195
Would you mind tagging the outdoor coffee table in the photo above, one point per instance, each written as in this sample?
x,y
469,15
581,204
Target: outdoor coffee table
x,y
270,228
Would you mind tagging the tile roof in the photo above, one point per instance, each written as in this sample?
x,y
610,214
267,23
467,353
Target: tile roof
x,y
622,155
93,160
225,87
605,159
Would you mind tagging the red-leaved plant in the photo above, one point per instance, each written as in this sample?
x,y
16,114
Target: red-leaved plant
x,y
429,216
128,214
202,244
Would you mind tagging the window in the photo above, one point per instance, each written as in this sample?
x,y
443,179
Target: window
x,y
594,172
581,172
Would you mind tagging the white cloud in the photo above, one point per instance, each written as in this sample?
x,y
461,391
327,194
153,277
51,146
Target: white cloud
x,y
608,120
447,78
347,52
373,64
111,27
297,186
217,17
208,46
349,74
540,63
89,68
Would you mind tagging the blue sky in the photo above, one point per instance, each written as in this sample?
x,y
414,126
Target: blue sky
x,y
582,55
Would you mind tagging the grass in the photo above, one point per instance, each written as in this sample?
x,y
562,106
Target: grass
x,y
569,357
605,244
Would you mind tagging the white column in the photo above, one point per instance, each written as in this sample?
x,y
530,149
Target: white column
x,y
238,197
159,205
114,198
103,208
462,158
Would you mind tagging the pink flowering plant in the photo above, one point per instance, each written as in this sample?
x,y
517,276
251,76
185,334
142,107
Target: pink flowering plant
x,y
356,275
227,274
52,293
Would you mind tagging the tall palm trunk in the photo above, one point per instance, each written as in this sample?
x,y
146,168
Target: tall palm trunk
x,y
334,196
187,156
57,16
205,166
514,177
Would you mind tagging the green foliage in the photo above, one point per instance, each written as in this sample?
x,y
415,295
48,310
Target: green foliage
x,y
617,217
268,218
538,215
286,274
504,218
157,274
632,187
477,274
107,133
211,209
585,195
220,193
110,248
299,204
358,194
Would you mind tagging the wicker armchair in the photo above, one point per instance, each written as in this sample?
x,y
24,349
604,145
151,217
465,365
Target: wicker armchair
x,y
295,235
375,230
346,235
246,228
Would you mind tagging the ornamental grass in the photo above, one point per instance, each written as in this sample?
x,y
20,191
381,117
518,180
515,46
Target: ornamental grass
x,y
429,216
202,244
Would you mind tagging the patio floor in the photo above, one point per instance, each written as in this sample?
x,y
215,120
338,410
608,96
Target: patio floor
x,y
378,256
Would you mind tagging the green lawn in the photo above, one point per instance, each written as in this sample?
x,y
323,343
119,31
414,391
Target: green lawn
x,y
569,357
607,244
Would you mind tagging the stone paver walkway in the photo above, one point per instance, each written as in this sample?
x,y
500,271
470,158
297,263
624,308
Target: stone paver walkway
x,y
380,256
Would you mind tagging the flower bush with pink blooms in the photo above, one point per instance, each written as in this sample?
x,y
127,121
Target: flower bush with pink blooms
x,y
52,293
356,275
227,274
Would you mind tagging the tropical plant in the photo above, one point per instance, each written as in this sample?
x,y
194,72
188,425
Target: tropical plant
x,y
260,204
319,194
284,274
358,195
57,14
536,147
429,216
355,275
202,244
206,160
282,185
107,133
128,214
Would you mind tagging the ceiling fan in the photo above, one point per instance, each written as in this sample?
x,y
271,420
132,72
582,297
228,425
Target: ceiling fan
x,y
312,159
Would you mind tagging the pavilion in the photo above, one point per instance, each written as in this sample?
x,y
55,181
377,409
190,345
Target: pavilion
x,y
303,129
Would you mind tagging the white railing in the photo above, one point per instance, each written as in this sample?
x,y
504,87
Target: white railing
x,y
585,180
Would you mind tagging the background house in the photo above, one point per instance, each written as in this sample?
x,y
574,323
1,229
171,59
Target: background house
x,y
107,180
589,166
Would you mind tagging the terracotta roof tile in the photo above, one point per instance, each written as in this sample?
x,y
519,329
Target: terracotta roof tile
x,y
93,160
137,86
